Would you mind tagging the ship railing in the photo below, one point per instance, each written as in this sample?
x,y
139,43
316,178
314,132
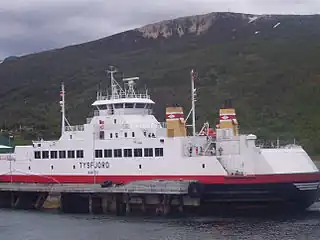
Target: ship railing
x,y
89,120
277,143
163,124
7,157
126,95
76,128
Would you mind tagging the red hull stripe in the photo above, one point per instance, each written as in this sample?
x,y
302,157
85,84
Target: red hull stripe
x,y
254,179
174,115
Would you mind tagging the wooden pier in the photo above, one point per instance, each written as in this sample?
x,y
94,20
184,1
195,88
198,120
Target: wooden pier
x,y
159,197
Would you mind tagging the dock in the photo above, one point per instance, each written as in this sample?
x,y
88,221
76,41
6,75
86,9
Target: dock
x,y
157,196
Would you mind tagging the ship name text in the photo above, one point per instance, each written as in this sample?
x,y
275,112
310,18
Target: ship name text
x,y
94,165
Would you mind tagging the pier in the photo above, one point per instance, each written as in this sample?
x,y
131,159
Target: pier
x,y
155,197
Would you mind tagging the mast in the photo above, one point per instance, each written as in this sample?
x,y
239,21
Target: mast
x,y
113,82
193,90
63,114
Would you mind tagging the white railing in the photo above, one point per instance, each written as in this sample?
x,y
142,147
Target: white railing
x,y
126,95
279,143
7,157
77,128
89,120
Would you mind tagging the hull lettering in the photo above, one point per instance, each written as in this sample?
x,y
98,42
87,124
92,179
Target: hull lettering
x,y
94,165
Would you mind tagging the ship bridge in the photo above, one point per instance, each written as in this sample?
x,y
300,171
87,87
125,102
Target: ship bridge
x,y
123,101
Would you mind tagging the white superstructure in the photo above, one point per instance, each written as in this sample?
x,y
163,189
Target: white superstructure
x,y
124,142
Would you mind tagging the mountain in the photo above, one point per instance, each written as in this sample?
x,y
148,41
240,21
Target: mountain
x,y
267,65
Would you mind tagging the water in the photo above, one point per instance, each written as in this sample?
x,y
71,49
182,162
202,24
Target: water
x,y
28,225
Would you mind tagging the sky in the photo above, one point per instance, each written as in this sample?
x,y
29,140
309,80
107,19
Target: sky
x,y
28,26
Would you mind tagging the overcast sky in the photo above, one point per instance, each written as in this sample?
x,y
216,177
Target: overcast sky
x,y
28,26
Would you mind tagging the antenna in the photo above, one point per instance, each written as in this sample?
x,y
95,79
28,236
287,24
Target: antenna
x,y
193,93
114,90
62,104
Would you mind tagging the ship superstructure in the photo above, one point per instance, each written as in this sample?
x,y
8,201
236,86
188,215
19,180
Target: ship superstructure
x,y
124,142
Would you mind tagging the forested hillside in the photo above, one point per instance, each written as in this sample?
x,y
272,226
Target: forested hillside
x,y
268,66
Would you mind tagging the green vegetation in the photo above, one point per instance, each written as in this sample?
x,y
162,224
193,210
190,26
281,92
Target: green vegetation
x,y
272,77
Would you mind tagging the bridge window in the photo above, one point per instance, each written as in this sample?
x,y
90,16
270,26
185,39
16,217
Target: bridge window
x,y
140,105
137,152
45,154
53,154
127,152
133,134
62,154
117,153
158,152
129,105
98,153
79,153
37,155
108,153
125,134
148,152
118,105
71,154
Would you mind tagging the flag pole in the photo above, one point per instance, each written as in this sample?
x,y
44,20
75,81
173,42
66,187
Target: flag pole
x,y
62,103
193,104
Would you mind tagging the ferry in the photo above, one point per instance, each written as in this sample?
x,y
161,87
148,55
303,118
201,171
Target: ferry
x,y
124,142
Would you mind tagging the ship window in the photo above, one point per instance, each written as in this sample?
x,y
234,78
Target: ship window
x,y
125,134
45,154
53,154
62,154
129,105
140,105
162,140
137,152
110,135
108,153
101,135
98,153
148,152
51,167
133,134
117,153
117,135
79,153
139,166
203,165
37,155
114,121
127,152
158,152
70,154
118,105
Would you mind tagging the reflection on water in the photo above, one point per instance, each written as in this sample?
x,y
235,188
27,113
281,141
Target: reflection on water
x,y
26,225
